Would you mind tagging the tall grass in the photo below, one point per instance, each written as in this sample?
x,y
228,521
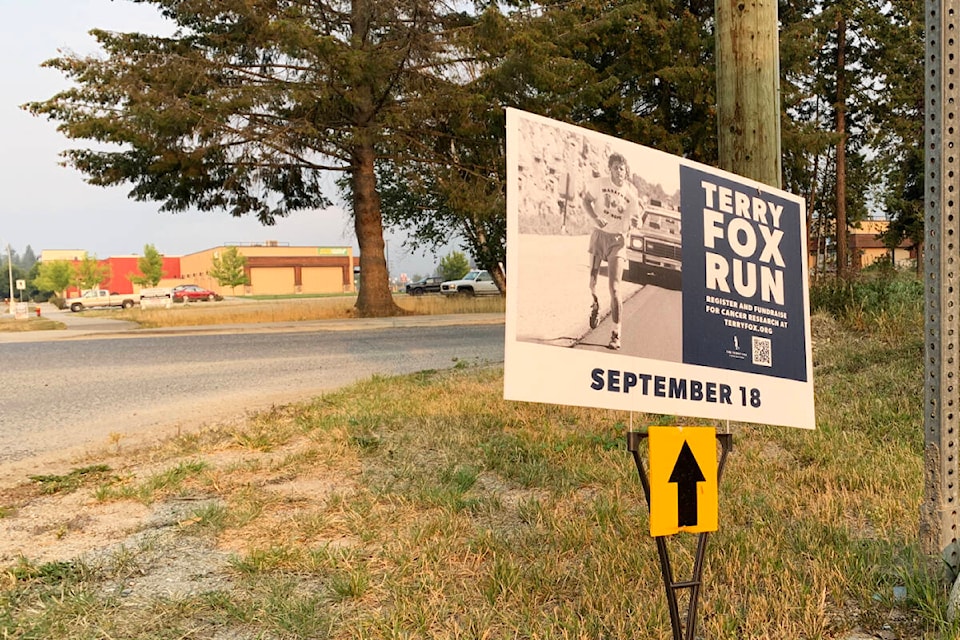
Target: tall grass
x,y
881,299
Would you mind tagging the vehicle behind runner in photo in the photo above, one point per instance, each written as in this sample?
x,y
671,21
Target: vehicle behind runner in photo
x,y
654,247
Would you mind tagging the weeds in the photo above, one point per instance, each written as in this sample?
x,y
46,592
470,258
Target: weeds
x,y
887,302
71,481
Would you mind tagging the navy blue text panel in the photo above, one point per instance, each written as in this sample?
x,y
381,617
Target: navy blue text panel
x,y
743,288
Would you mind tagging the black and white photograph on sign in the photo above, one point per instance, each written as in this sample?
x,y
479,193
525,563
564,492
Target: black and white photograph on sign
x,y
641,280
605,242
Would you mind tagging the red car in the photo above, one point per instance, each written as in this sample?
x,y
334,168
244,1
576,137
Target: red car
x,y
191,292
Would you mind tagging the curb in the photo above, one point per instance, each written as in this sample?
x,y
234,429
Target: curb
x,y
124,329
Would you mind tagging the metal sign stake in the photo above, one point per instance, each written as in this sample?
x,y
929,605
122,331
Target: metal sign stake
x,y
671,587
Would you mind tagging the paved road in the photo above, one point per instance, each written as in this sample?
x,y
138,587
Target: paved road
x,y
651,326
64,394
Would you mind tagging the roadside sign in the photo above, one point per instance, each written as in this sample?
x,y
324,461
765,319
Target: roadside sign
x,y
683,480
156,297
21,284
642,281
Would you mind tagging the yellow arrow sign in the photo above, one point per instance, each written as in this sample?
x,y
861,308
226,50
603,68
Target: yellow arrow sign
x,y
683,480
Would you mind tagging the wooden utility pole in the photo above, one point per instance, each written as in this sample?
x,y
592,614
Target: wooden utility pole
x,y
940,520
748,89
840,111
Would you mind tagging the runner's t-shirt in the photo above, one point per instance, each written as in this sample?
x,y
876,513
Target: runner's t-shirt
x,y
618,205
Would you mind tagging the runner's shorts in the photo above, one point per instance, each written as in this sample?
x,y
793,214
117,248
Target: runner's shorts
x,y
607,245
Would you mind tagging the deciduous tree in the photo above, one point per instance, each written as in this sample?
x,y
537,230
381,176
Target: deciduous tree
x,y
150,265
54,277
229,269
89,272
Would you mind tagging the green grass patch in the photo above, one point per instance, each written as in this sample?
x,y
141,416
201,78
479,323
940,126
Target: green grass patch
x,y
70,482
174,481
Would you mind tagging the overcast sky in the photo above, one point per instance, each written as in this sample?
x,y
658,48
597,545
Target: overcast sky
x,y
48,206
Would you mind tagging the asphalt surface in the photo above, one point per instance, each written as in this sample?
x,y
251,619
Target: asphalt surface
x,y
182,378
652,326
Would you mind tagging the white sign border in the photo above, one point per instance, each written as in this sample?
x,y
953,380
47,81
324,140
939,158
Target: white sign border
x,y
551,374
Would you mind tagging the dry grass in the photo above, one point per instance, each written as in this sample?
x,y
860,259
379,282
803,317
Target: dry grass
x,y
29,324
241,311
426,506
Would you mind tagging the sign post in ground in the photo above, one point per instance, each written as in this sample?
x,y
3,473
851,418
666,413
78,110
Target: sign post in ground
x,y
683,627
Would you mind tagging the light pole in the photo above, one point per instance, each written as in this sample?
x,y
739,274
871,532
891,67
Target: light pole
x,y
10,273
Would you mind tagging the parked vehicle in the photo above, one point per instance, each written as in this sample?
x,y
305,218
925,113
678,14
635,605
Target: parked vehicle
x,y
100,298
654,247
475,283
191,292
424,285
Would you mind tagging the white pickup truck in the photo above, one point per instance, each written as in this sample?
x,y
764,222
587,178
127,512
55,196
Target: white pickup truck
x,y
100,298
475,283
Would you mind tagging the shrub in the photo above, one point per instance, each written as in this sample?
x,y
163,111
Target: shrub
x,y
874,299
57,301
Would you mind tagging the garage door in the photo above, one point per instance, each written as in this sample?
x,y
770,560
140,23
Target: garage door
x,y
322,279
271,281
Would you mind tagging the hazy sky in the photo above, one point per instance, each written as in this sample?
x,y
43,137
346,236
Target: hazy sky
x,y
48,206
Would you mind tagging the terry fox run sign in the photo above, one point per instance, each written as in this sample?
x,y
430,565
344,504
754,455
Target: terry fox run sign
x,y
643,281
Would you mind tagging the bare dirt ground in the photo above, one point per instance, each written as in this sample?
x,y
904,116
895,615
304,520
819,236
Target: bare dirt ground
x,y
66,525
149,548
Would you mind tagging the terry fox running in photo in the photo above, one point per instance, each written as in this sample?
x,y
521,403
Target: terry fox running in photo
x,y
613,203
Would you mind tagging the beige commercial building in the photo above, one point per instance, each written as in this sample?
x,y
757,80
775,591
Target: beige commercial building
x,y
273,269
867,247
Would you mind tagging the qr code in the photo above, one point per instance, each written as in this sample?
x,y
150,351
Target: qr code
x,y
762,354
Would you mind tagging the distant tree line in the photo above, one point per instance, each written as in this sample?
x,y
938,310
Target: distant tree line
x,y
247,106
23,268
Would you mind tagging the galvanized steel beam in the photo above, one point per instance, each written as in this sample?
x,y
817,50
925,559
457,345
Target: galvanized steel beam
x,y
939,517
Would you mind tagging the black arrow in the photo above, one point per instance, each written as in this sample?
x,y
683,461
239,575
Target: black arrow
x,y
686,474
